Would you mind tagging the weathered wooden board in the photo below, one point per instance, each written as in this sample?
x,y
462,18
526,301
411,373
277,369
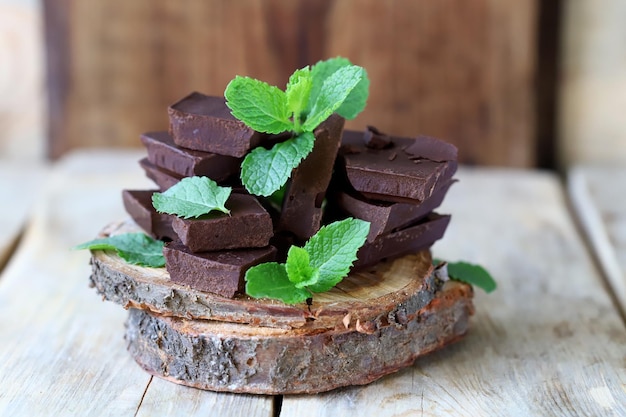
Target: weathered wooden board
x,y
598,195
22,119
457,69
19,185
547,342
62,350
592,83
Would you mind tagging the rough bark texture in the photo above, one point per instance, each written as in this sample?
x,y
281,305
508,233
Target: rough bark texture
x,y
240,358
401,287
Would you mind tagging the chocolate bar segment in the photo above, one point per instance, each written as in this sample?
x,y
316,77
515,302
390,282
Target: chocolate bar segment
x,y
392,174
164,179
384,216
204,123
301,212
165,154
138,204
247,226
409,240
219,272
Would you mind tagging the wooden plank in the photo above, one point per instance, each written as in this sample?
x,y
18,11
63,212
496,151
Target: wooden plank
x,y
21,81
547,342
63,352
457,69
19,182
164,398
598,195
592,83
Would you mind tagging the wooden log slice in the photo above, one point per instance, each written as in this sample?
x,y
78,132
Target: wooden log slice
x,y
232,357
389,292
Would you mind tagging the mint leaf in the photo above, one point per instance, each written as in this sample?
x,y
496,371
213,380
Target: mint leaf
x,y
333,249
270,280
192,197
356,100
334,92
298,91
259,105
299,270
134,248
265,171
471,274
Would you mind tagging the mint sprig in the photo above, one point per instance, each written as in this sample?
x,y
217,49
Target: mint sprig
x,y
192,197
134,248
470,274
317,267
310,97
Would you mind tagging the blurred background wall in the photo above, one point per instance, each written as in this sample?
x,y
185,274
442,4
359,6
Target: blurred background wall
x,y
520,83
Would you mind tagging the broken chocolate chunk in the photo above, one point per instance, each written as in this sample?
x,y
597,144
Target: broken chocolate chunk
x,y
165,154
409,240
220,272
374,139
204,123
247,226
391,174
426,147
163,178
138,204
301,212
385,217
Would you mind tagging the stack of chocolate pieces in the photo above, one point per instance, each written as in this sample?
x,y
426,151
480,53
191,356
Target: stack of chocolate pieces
x,y
395,183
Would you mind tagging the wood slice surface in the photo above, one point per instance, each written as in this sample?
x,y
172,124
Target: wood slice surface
x,y
391,292
233,357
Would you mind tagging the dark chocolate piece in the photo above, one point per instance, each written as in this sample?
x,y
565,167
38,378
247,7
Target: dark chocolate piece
x,y
410,240
219,272
391,174
374,139
204,123
385,217
426,147
138,204
247,226
163,152
161,177
302,206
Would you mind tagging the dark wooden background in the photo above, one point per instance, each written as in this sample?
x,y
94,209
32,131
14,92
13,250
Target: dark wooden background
x,y
461,70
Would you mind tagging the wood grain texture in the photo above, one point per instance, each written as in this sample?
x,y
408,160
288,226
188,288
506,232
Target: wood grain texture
x,y
63,351
547,342
21,182
459,70
598,196
593,83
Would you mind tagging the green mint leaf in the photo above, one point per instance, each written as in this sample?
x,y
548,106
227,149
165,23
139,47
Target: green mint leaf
x,y
259,105
471,274
265,171
298,91
334,92
270,280
192,197
333,249
134,248
299,270
356,100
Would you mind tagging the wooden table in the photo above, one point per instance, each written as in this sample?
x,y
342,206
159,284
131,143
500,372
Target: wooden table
x,y
549,341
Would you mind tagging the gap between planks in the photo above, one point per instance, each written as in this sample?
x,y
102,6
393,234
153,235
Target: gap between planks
x,y
593,230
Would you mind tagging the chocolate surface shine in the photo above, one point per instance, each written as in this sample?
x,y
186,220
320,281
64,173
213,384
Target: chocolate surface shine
x,y
247,226
204,123
392,174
